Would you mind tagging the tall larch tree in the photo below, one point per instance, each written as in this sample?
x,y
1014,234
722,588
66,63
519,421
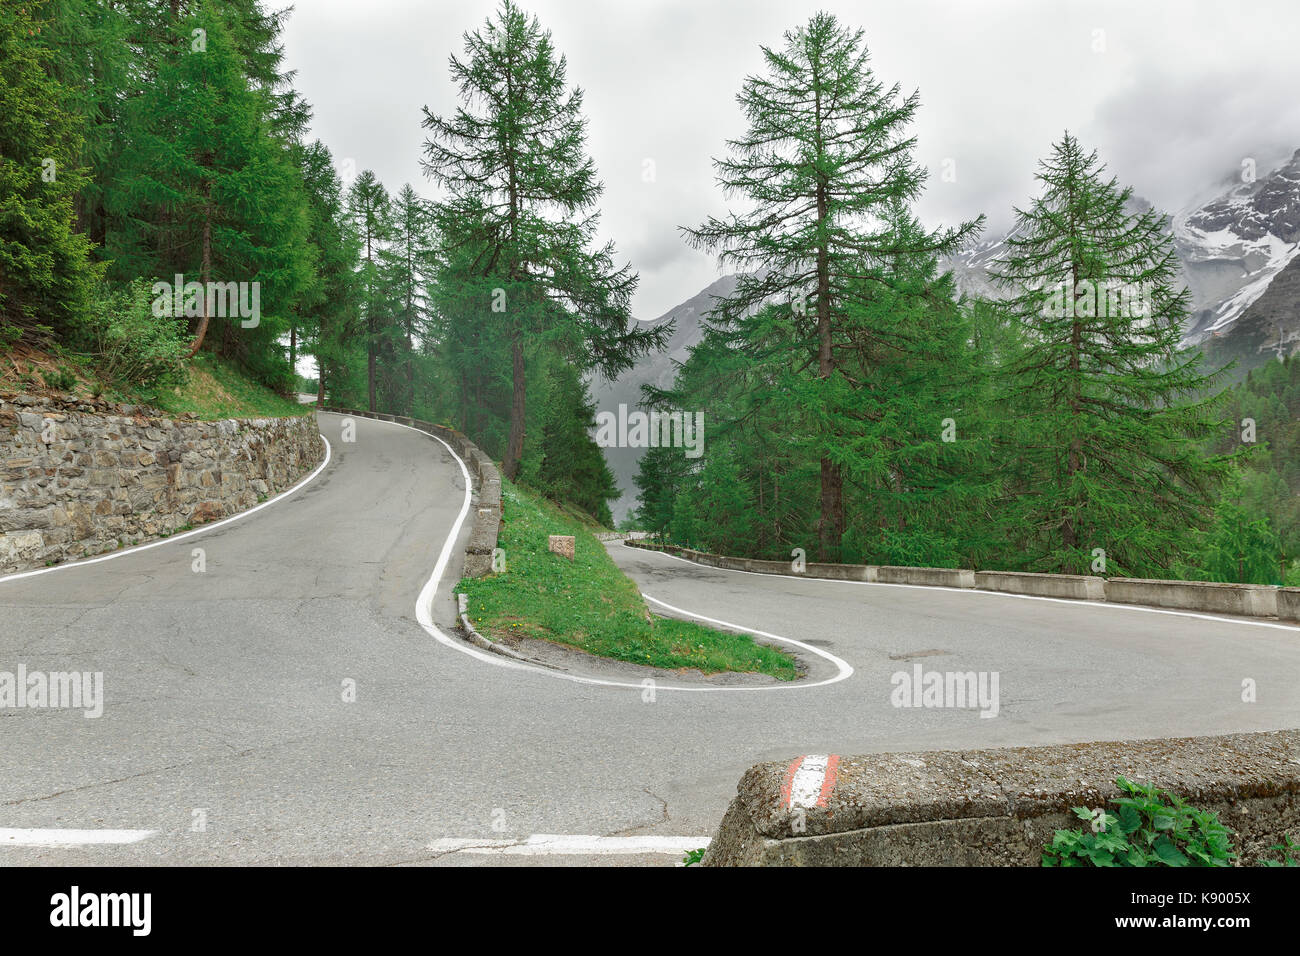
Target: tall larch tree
x,y
1111,412
520,195
825,155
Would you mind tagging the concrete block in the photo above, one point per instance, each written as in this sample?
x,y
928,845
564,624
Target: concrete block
x,y
1079,587
561,544
1250,599
998,807
931,577
1288,604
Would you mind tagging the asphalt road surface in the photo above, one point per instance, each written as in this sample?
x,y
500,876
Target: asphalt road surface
x,y
285,705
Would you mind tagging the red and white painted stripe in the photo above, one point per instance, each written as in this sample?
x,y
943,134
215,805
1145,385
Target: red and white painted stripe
x,y
809,781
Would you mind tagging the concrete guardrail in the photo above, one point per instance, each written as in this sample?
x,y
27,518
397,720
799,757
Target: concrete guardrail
x,y
930,577
1249,600
996,807
1288,604
1079,587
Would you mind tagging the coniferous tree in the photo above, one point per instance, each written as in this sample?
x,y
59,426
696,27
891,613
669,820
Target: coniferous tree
x,y
408,264
325,313
206,189
45,272
825,156
370,209
1111,413
520,206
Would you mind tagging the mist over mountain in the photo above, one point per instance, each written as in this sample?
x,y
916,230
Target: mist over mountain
x,y
657,370
1232,248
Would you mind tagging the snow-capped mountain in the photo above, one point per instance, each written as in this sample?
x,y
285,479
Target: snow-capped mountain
x,y
1231,248
1235,245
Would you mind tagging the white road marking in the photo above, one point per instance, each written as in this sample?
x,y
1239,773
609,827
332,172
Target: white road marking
x,y
179,537
1115,606
424,614
553,844
59,838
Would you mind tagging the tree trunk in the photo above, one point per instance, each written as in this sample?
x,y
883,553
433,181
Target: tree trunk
x,y
515,448
370,369
830,529
205,276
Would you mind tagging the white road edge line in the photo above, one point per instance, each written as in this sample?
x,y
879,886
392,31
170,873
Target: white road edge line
x,y
1023,597
205,529
424,615
553,844
58,838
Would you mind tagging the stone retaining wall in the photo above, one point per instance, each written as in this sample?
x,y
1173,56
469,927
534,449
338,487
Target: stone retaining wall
x,y
81,477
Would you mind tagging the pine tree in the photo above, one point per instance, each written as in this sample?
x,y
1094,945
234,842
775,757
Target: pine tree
x,y
207,189
324,313
370,209
520,198
825,155
1110,412
408,264
45,272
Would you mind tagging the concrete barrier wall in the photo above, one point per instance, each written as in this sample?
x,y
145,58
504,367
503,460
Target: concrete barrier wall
x,y
1079,587
485,510
997,807
1250,599
812,569
932,577
1288,604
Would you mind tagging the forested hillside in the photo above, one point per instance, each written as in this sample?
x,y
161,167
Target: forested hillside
x,y
163,206
860,409
160,196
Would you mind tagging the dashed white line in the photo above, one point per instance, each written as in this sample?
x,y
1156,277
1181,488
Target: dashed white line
x,y
60,838
554,844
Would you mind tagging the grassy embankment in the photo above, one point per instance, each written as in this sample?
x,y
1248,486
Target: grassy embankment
x,y
590,604
214,388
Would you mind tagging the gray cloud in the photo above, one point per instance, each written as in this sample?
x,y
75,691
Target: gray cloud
x,y
1173,93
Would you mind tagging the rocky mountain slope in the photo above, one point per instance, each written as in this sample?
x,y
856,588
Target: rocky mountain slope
x,y
657,370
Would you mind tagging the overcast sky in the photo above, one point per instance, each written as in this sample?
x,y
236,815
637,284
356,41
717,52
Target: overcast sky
x,y
1174,94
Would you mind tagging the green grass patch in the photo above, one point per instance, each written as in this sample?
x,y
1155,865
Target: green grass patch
x,y
217,389
591,604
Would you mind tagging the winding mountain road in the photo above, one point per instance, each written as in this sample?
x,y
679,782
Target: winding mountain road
x,y
229,735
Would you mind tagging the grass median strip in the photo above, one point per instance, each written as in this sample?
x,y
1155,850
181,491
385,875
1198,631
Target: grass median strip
x,y
589,603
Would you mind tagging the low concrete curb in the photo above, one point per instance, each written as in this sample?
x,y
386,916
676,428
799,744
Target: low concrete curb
x,y
996,807
485,514
1249,599
462,609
